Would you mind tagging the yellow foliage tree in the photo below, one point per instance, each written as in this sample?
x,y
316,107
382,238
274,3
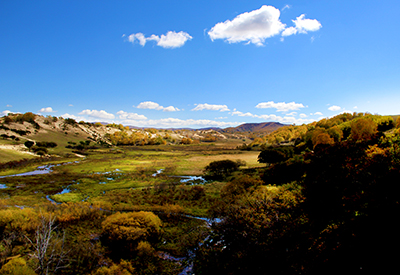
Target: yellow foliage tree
x,y
16,266
127,230
124,268
363,129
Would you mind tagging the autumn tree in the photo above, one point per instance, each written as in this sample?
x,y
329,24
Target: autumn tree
x,y
397,125
17,266
336,133
322,138
255,235
363,129
124,231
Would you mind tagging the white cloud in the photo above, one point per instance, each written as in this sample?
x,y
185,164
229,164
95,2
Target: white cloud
x,y
170,40
180,123
46,110
287,119
213,107
317,114
280,106
66,115
155,106
149,105
130,116
252,27
4,113
8,106
289,31
97,114
334,108
170,109
173,40
238,113
302,25
286,7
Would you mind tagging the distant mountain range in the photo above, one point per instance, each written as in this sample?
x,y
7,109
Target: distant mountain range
x,y
246,127
256,127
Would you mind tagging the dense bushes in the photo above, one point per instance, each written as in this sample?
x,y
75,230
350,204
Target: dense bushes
x,y
127,233
222,168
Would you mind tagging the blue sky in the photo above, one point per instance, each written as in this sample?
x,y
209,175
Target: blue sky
x,y
199,63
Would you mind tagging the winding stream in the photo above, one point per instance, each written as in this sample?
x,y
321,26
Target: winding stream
x,y
40,170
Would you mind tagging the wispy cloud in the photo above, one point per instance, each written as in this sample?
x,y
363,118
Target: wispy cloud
x,y
252,27
97,114
212,107
280,106
170,40
155,106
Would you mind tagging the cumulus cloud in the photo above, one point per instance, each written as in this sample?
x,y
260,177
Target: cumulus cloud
x,y
334,108
155,106
170,40
130,116
303,115
46,110
97,114
4,113
252,27
212,107
302,25
280,106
